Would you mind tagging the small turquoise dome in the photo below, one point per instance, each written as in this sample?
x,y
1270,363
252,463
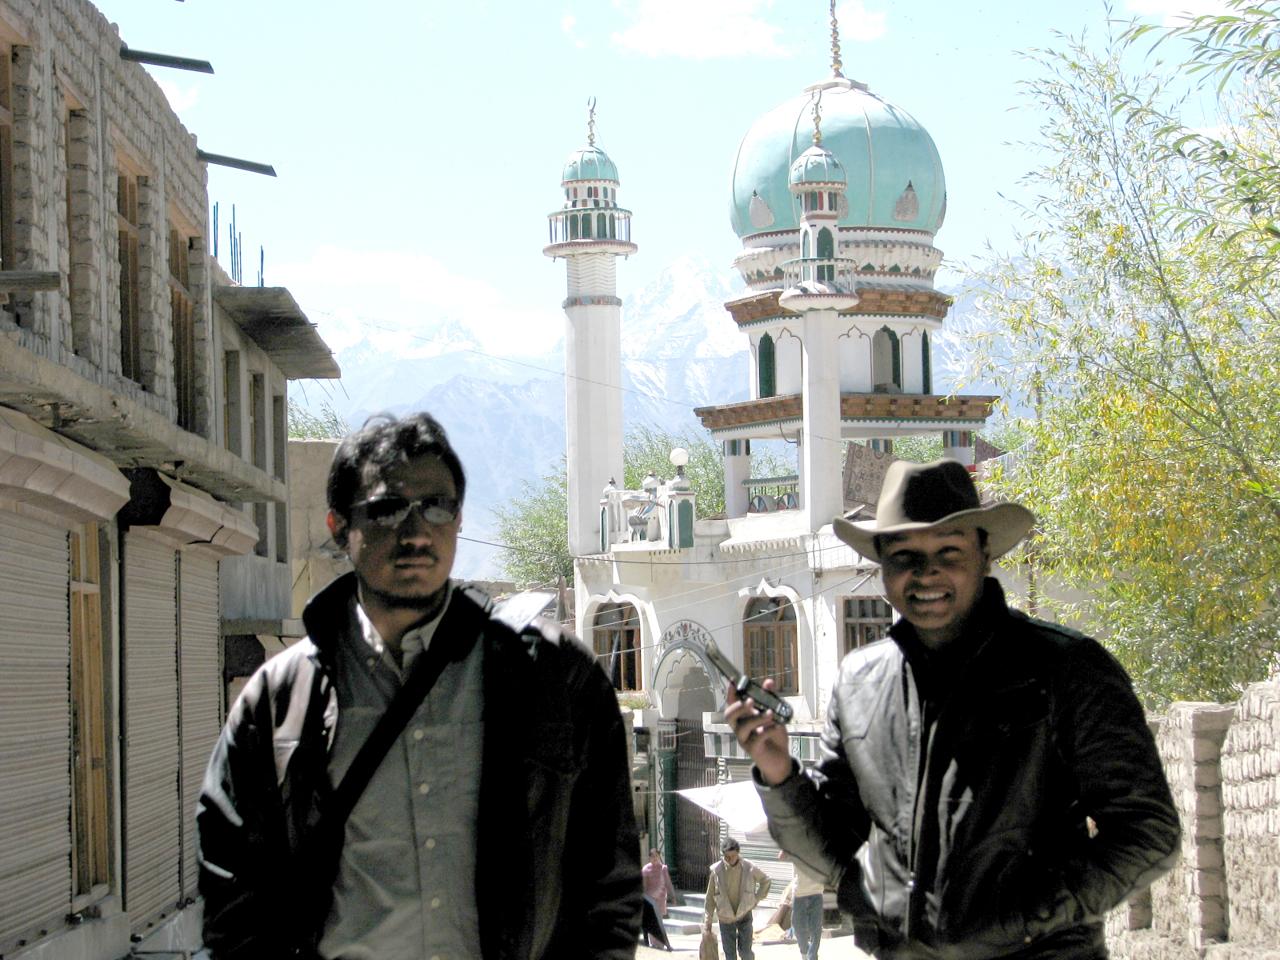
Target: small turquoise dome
x,y
817,165
589,163
891,166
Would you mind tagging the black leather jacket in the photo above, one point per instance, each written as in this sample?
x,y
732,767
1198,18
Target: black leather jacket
x,y
955,824
557,872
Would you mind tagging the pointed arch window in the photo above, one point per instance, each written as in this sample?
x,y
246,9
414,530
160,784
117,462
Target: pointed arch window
x,y
826,251
573,227
926,364
766,367
886,359
769,639
616,638
602,225
586,226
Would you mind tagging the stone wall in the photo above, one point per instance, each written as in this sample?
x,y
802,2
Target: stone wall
x,y
1222,901
81,116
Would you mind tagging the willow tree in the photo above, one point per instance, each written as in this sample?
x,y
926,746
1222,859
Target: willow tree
x,y
1137,317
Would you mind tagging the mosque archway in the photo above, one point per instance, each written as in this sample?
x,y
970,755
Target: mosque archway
x,y
615,635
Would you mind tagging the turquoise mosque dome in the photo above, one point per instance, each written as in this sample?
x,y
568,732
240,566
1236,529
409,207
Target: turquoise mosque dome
x,y
589,163
891,166
817,165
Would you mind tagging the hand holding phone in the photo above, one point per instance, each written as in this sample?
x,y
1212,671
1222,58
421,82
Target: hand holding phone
x,y
746,687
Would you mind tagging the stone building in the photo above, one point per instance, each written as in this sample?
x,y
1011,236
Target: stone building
x,y
143,407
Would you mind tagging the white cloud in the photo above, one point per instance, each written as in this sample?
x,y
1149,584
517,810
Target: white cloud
x,y
569,27
180,98
859,24
393,298
1175,12
699,29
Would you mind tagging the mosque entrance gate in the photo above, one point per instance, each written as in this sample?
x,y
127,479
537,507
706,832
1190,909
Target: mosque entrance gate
x,y
697,831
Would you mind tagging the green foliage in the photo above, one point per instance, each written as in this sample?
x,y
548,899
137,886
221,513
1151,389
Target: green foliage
x,y
328,424
535,529
649,449
1137,318
921,449
1006,435
535,526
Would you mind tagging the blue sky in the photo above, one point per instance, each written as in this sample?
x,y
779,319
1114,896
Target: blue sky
x,y
419,143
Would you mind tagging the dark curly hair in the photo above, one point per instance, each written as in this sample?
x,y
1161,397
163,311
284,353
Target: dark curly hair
x,y
385,440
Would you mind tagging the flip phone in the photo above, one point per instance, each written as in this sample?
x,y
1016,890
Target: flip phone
x,y
746,687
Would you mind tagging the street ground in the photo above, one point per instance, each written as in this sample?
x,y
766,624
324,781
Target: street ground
x,y
687,915
832,948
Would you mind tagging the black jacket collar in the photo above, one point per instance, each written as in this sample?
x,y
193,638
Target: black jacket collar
x,y
935,671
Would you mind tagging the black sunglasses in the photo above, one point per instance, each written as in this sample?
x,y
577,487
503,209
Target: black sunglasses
x,y
393,511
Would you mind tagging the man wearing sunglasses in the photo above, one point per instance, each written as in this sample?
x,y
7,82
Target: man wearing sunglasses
x,y
497,820
988,786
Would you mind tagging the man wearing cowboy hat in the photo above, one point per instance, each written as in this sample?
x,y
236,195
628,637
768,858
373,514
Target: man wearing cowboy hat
x,y
988,786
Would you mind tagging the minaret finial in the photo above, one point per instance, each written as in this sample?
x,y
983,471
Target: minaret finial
x,y
835,43
591,122
817,117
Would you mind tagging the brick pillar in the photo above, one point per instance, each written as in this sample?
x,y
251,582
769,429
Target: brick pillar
x,y
1189,905
111,264
32,165
153,282
86,238
1251,819
207,365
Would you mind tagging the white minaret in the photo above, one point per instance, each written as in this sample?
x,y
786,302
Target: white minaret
x,y
818,286
590,232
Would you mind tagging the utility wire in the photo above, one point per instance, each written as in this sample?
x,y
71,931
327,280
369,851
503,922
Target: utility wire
x,y
716,591
601,558
678,401
738,623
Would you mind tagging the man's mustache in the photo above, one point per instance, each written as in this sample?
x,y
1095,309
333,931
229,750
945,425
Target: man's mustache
x,y
416,553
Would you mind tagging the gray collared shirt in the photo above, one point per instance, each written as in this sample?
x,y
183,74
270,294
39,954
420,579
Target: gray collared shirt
x,y
406,879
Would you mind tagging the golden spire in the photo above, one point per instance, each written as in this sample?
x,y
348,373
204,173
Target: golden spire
x,y
591,122
817,117
835,43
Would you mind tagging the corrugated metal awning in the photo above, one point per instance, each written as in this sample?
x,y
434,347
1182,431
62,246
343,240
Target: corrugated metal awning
x,y
273,320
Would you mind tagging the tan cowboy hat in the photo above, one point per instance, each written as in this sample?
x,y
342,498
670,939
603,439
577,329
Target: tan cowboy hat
x,y
920,496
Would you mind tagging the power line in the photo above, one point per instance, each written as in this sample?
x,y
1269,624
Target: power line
x,y
738,623
683,403
562,374
530,551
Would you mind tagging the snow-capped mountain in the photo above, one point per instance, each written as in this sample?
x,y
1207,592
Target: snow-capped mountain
x,y
680,350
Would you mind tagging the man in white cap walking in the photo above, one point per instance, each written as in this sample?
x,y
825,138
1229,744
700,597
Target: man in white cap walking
x,y
988,786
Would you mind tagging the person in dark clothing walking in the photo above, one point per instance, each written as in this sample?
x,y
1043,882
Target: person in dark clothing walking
x,y
988,786
496,820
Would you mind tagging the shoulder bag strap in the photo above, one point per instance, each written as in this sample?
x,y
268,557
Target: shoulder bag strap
x,y
452,640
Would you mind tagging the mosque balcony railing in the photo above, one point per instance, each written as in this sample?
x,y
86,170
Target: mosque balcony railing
x,y
567,226
837,273
770,494
657,518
